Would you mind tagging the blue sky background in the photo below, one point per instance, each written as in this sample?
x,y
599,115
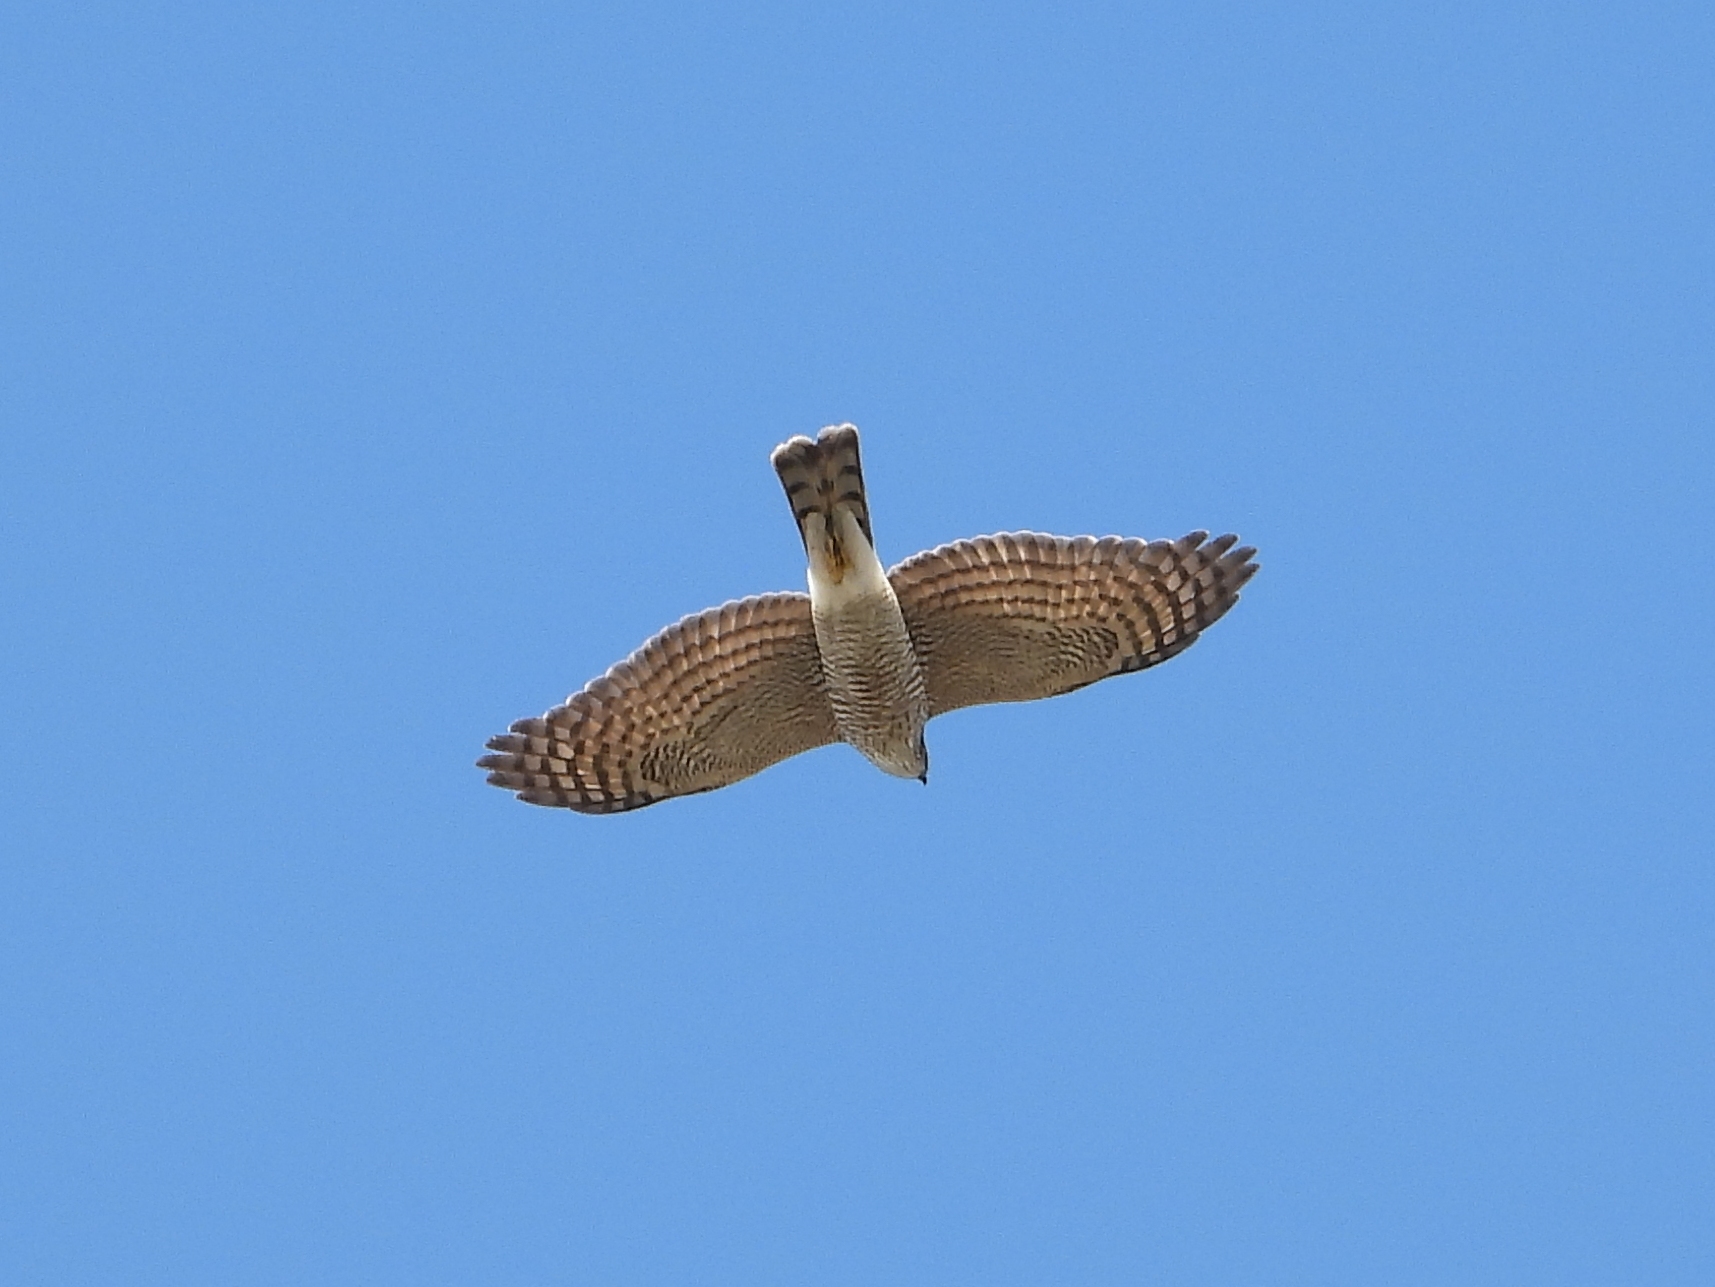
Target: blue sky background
x,y
373,375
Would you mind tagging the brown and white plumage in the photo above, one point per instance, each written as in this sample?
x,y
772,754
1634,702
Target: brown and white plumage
x,y
866,657
712,699
1020,615
869,663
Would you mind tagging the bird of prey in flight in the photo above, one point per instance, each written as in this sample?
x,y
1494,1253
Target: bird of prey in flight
x,y
868,656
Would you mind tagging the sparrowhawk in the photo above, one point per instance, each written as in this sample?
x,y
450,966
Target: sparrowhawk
x,y
868,656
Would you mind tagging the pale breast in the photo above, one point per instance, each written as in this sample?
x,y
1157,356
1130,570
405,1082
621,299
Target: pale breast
x,y
873,681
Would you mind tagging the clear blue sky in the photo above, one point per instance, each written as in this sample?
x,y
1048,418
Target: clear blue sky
x,y
373,375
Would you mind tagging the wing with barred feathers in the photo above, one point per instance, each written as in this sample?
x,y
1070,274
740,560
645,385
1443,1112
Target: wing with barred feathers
x,y
1021,615
717,697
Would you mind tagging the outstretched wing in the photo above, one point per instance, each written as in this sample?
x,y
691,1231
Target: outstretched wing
x,y
713,699
1021,615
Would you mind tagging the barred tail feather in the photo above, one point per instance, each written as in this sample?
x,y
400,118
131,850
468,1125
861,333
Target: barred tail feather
x,y
823,475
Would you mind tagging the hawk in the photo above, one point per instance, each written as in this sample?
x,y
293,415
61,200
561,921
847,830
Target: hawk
x,y
867,656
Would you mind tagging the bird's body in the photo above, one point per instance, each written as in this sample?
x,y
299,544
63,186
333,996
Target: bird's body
x,y
869,664
868,656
